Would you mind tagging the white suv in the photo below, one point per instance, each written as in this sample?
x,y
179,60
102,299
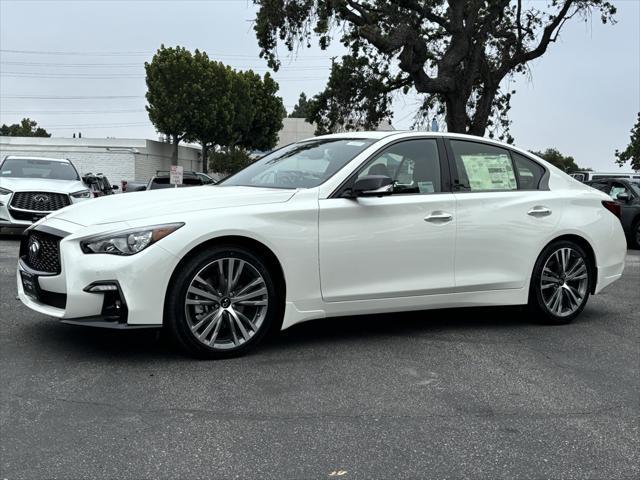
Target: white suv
x,y
33,187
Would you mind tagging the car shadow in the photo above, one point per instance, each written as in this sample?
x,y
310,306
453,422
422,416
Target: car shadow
x,y
54,337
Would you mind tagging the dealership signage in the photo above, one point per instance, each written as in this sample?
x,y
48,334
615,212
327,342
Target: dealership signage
x,y
175,175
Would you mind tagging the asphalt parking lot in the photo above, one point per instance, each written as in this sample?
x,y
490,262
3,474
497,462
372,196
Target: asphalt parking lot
x,y
474,393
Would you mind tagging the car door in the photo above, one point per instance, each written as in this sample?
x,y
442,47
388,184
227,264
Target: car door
x,y
391,246
504,215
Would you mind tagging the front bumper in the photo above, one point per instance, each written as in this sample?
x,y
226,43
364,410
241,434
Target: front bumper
x,y
142,281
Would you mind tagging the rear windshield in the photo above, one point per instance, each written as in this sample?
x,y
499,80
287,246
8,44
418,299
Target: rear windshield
x,y
31,168
163,182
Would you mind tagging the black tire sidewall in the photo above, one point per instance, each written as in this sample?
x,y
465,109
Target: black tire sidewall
x,y
536,302
175,318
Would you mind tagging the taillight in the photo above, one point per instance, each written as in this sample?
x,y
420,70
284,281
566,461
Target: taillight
x,y
613,207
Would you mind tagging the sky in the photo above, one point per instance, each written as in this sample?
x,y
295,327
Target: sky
x,y
78,66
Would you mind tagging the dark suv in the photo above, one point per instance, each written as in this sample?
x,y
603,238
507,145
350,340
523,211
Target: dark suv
x,y
627,194
189,179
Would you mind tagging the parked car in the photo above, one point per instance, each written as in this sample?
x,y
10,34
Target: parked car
x,y
587,175
626,193
208,179
99,184
344,224
33,187
132,186
189,179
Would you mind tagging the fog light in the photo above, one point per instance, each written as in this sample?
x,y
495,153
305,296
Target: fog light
x,y
101,288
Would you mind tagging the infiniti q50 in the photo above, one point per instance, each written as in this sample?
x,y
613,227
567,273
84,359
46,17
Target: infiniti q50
x,y
344,224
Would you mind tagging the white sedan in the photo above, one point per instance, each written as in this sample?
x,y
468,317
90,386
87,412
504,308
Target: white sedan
x,y
346,224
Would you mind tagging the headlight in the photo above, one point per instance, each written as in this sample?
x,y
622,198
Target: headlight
x,y
4,191
128,242
82,194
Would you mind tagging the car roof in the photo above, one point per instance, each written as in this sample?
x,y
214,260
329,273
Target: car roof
x,y
16,157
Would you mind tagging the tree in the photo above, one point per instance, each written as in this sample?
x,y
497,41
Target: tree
x,y
175,89
301,109
632,152
454,53
210,122
554,157
26,128
230,160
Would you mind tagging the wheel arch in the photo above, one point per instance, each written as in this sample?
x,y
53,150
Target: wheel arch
x,y
255,246
584,243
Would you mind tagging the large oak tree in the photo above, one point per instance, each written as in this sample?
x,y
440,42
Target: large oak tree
x,y
454,53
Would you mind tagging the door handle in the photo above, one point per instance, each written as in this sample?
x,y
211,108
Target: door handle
x,y
539,211
438,217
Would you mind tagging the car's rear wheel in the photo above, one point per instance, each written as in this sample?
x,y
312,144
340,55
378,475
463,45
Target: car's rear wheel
x,y
221,303
560,284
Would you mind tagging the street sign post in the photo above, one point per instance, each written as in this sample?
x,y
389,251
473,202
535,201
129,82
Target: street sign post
x,y
175,175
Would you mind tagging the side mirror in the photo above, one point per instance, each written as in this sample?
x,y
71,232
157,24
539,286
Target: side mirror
x,y
373,186
115,187
623,197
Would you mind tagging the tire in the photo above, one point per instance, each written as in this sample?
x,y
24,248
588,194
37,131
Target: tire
x,y
560,295
212,311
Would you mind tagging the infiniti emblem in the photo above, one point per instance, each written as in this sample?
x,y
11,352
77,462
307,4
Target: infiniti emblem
x,y
40,198
34,246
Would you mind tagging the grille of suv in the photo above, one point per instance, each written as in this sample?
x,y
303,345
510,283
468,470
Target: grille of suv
x,y
40,201
42,252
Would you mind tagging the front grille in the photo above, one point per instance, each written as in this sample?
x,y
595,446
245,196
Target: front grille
x,y
40,201
42,252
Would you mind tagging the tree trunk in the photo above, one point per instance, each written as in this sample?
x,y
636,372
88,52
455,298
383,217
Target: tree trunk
x,y
205,158
174,154
456,107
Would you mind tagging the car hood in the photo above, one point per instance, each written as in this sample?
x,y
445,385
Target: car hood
x,y
41,185
133,206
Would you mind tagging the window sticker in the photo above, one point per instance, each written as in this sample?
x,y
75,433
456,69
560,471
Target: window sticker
x,y
355,144
489,172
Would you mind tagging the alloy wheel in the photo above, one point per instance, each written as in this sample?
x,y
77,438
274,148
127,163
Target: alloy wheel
x,y
564,281
226,303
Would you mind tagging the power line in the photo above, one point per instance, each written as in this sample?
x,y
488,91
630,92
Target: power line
x,y
69,112
60,97
129,53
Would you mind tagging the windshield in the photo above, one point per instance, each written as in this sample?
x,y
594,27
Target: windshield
x,y
31,168
300,165
635,185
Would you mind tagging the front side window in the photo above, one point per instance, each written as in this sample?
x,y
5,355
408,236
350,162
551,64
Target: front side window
x,y
33,168
529,172
483,167
413,165
300,165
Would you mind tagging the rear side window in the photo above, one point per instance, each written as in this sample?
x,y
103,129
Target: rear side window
x,y
529,172
483,167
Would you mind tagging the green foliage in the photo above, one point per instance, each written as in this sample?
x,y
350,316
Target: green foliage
x,y
230,160
632,152
175,79
195,99
26,128
554,157
301,109
454,54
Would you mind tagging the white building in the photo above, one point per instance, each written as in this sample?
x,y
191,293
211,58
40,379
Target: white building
x,y
117,158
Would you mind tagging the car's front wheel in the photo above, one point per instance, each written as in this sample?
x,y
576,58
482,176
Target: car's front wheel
x,y
221,302
560,283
